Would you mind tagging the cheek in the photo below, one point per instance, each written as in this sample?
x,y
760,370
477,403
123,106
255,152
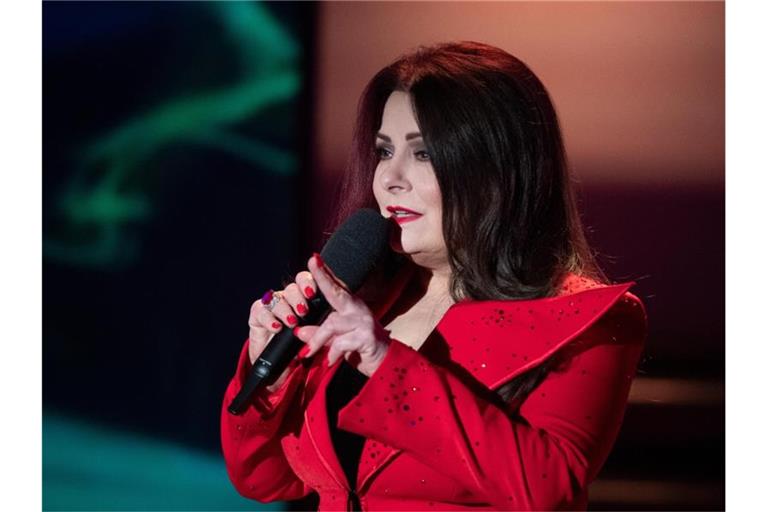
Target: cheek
x,y
432,199
430,194
435,199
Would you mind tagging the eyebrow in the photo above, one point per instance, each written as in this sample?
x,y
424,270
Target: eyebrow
x,y
409,136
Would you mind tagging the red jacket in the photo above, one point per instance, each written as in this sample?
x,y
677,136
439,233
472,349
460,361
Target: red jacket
x,y
434,439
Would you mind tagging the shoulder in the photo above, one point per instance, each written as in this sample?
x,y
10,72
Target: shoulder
x,y
623,320
614,309
627,315
615,335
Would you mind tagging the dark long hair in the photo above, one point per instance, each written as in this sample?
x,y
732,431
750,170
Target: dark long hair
x,y
510,219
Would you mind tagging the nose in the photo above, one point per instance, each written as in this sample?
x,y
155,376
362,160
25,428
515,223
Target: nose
x,y
393,177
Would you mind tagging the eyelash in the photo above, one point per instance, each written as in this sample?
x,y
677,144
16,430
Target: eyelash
x,y
381,149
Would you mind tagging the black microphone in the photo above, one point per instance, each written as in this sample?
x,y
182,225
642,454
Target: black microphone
x,y
351,253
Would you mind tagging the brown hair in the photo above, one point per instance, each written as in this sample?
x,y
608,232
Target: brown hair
x,y
510,219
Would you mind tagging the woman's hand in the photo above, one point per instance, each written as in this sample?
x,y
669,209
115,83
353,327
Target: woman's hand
x,y
350,331
263,324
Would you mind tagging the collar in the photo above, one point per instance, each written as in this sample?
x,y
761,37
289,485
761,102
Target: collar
x,y
497,340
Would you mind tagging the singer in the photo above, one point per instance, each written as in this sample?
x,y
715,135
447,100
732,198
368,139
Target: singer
x,y
486,363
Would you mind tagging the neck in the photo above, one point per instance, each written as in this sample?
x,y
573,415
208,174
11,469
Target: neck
x,y
435,283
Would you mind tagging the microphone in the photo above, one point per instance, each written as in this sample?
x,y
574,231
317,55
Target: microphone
x,y
351,253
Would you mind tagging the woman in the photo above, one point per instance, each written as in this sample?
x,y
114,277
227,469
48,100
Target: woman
x,y
492,371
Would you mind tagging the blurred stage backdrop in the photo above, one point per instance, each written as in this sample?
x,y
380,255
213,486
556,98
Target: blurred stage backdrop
x,y
191,152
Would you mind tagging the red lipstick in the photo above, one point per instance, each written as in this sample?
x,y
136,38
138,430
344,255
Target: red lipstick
x,y
401,214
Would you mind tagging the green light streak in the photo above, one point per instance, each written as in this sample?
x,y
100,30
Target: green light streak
x,y
106,194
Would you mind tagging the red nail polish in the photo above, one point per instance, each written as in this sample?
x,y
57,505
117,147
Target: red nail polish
x,y
303,352
296,331
319,260
309,292
302,309
291,320
275,325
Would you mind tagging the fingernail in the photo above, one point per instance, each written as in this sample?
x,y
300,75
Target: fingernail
x,y
296,331
309,292
291,320
302,309
319,260
275,325
267,297
303,352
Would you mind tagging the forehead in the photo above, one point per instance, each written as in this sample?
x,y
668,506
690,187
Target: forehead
x,y
398,115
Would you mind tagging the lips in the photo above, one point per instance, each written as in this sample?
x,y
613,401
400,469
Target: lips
x,y
401,214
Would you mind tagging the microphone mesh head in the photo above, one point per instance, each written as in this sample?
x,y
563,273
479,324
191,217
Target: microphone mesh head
x,y
355,249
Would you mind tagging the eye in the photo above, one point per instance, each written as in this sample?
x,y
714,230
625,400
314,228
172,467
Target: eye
x,y
383,153
422,155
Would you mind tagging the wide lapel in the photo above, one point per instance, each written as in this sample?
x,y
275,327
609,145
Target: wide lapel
x,y
375,454
498,340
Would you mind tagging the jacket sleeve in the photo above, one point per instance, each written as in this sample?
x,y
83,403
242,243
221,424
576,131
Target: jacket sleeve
x,y
250,441
541,459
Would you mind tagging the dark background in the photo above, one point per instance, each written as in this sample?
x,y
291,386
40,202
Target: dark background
x,y
150,271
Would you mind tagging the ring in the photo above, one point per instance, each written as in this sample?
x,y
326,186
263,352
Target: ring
x,y
270,299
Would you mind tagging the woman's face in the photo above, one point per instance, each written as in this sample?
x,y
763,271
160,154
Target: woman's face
x,y
405,179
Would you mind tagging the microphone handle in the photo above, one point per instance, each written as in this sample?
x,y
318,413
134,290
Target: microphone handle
x,y
280,350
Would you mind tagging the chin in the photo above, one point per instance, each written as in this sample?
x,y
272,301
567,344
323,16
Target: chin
x,y
412,252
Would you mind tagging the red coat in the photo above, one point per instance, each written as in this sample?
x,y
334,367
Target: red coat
x,y
434,441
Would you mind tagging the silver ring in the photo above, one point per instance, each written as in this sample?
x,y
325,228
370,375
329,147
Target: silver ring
x,y
276,297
